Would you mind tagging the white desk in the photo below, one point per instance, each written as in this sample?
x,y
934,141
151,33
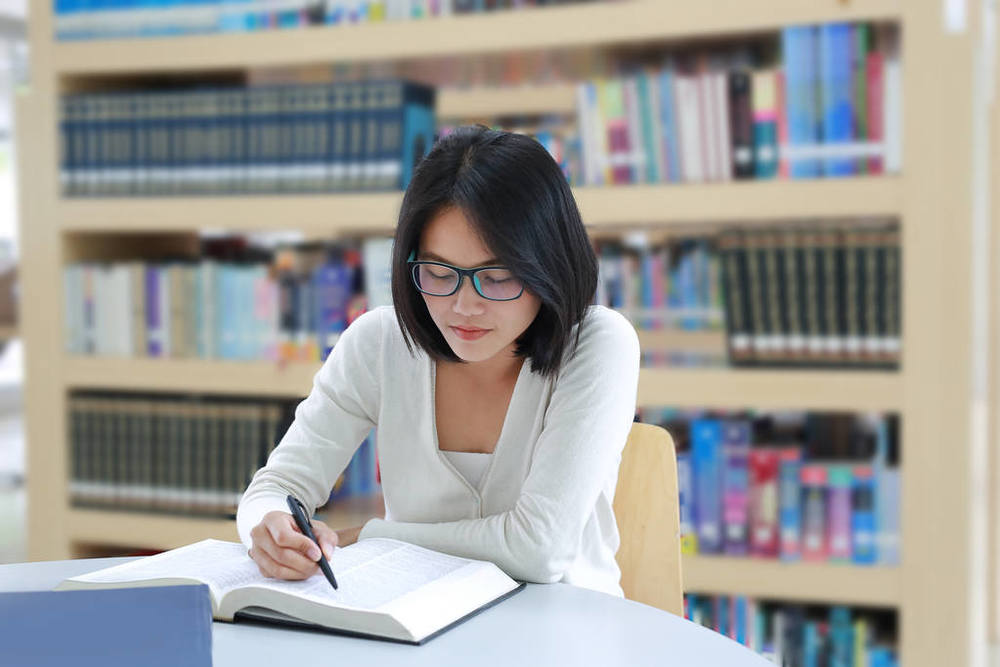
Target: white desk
x,y
542,625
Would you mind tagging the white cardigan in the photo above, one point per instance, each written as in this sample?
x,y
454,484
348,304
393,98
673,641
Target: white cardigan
x,y
544,509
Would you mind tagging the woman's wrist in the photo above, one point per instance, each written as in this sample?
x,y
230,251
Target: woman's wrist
x,y
348,536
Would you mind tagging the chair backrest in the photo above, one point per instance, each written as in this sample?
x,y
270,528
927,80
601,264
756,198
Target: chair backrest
x,y
648,515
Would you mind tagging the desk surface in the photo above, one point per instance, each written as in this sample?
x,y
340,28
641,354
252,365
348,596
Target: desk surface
x,y
542,625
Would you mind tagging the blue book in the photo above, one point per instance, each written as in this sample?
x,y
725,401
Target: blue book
x,y
706,461
685,488
810,645
836,94
332,285
841,638
798,47
97,628
740,619
668,122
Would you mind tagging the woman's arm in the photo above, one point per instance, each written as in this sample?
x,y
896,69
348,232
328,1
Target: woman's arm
x,y
587,423
329,426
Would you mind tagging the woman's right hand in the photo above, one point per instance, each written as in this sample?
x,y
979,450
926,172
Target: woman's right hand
x,y
281,551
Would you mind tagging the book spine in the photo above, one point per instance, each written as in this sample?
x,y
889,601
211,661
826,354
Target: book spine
x,y
742,123
706,452
736,452
789,503
764,494
815,546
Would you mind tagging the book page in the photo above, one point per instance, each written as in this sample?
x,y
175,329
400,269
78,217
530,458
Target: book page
x,y
370,574
221,565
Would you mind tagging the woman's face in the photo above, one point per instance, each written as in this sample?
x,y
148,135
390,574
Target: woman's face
x,y
449,238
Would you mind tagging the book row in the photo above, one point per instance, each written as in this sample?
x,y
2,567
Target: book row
x,y
818,488
795,635
832,109
814,295
291,304
347,136
671,285
106,19
187,455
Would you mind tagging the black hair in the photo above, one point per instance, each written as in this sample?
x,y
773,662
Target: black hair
x,y
518,201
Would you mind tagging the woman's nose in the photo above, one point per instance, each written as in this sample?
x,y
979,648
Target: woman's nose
x,y
467,300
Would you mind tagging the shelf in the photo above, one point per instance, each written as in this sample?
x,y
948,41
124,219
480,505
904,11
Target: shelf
x,y
527,29
696,205
828,390
257,378
805,582
159,531
673,387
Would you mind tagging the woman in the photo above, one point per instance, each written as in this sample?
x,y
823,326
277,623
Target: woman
x,y
502,397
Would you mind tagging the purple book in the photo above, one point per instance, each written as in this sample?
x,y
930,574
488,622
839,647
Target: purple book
x,y
735,486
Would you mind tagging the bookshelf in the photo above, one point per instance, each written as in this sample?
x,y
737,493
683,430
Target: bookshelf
x,y
937,587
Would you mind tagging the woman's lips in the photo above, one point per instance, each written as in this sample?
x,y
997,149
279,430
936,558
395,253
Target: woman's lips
x,y
470,334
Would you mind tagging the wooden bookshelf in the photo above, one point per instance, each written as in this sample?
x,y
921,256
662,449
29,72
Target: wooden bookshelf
x,y
937,587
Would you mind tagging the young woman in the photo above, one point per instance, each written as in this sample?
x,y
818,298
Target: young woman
x,y
502,398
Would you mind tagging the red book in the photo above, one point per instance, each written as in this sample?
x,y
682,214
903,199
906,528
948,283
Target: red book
x,y
764,534
876,132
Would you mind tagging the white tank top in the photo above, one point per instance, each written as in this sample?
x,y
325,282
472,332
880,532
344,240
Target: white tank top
x,y
472,465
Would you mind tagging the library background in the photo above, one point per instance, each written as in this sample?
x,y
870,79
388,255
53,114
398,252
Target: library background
x,y
790,200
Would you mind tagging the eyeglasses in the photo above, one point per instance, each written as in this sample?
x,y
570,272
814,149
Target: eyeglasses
x,y
494,283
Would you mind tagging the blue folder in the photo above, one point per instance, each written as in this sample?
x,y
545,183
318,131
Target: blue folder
x,y
166,625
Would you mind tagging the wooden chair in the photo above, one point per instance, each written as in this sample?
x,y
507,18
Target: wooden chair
x,y
647,510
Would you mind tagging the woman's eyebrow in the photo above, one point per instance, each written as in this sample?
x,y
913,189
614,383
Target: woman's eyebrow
x,y
437,258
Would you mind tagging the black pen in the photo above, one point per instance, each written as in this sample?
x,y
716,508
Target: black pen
x,y
302,521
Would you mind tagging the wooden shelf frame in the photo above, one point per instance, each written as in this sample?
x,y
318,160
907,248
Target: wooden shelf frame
x,y
602,208
937,586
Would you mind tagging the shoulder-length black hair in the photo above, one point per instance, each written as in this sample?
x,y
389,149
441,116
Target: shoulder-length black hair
x,y
518,201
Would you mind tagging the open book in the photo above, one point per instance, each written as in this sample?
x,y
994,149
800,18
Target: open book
x,y
387,589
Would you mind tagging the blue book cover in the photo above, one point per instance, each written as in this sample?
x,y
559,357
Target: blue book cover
x,y
836,84
418,128
332,286
841,638
668,120
864,550
740,619
336,137
706,460
798,47
810,644
722,614
685,488
115,635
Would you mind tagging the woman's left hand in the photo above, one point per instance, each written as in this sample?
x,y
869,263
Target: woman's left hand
x,y
348,536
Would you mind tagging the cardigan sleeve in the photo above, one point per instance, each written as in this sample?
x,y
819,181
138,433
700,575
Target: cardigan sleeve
x,y
586,425
329,425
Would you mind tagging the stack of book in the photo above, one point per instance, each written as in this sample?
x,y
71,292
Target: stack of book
x,y
831,109
187,455
104,19
800,635
817,295
819,488
288,304
347,136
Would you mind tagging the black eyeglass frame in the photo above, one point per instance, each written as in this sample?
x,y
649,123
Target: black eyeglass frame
x,y
462,273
